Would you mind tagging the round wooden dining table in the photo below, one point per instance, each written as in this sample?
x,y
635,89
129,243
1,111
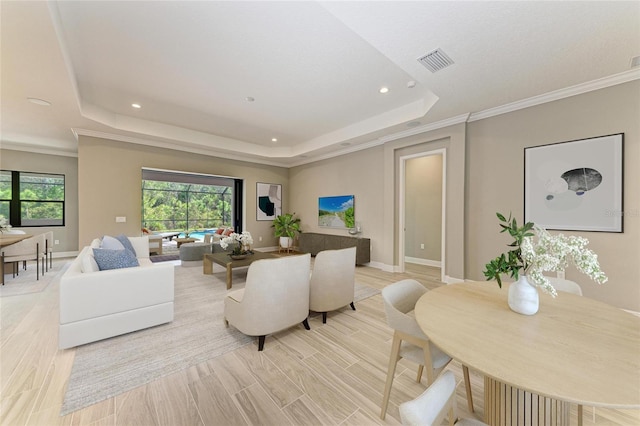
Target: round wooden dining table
x,y
574,350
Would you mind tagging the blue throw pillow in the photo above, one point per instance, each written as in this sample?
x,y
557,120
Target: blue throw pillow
x,y
126,243
114,259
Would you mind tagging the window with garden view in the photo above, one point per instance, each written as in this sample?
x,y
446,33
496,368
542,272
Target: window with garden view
x,y
179,202
32,199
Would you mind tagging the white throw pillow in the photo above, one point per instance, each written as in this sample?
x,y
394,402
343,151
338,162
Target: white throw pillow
x,y
111,243
88,263
141,246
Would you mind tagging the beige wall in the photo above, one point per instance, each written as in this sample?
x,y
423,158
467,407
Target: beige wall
x,y
372,175
109,175
484,174
452,141
67,235
357,174
423,207
495,176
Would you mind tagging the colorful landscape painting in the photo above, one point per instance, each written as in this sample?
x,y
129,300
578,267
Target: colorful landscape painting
x,y
336,212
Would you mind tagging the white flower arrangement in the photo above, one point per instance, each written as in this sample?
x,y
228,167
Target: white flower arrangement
x,y
534,251
243,240
4,224
553,253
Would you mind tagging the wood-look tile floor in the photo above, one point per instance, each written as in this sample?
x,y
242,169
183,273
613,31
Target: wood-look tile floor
x,y
331,375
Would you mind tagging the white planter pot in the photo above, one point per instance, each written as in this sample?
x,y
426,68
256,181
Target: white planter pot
x,y
286,242
523,297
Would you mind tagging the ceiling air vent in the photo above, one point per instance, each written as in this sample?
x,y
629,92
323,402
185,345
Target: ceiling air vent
x,y
435,60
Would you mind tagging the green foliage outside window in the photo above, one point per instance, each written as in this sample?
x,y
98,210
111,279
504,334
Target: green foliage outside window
x,y
180,206
5,192
38,201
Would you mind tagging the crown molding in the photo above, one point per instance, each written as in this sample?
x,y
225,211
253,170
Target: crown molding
x,y
347,150
613,80
182,147
463,118
37,149
623,77
388,138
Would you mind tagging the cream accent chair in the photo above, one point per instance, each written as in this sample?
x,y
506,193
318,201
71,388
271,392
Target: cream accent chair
x,y
28,249
275,297
333,281
436,403
408,339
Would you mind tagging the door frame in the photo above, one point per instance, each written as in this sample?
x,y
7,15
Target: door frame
x,y
402,208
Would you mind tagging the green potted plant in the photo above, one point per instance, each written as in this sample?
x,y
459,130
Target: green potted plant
x,y
287,227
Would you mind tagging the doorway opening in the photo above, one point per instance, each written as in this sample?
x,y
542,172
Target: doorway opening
x,y
422,210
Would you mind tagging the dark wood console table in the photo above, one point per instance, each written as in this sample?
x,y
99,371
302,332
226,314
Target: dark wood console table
x,y
314,243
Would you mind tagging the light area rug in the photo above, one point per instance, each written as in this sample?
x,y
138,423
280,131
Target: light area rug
x,y
26,282
113,366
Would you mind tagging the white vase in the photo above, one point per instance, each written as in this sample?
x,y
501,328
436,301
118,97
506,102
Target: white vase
x,y
523,297
286,242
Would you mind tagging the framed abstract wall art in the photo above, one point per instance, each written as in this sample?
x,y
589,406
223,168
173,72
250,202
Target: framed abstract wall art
x,y
268,201
575,185
336,212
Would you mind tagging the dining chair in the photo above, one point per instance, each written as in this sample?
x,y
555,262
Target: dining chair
x,y
333,281
48,250
568,286
26,250
434,404
275,297
409,341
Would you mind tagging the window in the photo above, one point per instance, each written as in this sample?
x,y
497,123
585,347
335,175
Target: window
x,y
5,193
179,201
32,199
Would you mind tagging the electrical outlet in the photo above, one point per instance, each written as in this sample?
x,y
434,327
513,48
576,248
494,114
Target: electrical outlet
x,y
56,242
260,238
422,246
121,219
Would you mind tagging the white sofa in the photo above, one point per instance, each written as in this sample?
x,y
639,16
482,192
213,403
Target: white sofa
x,y
95,305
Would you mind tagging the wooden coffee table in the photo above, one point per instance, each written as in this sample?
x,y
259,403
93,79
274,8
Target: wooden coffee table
x,y
223,259
181,241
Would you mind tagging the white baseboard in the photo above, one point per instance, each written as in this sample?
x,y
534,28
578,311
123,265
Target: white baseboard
x,y
60,254
426,262
452,280
267,249
382,266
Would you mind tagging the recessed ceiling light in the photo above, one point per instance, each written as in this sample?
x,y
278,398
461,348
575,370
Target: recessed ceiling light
x,y
136,106
38,101
411,84
250,99
274,139
384,90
